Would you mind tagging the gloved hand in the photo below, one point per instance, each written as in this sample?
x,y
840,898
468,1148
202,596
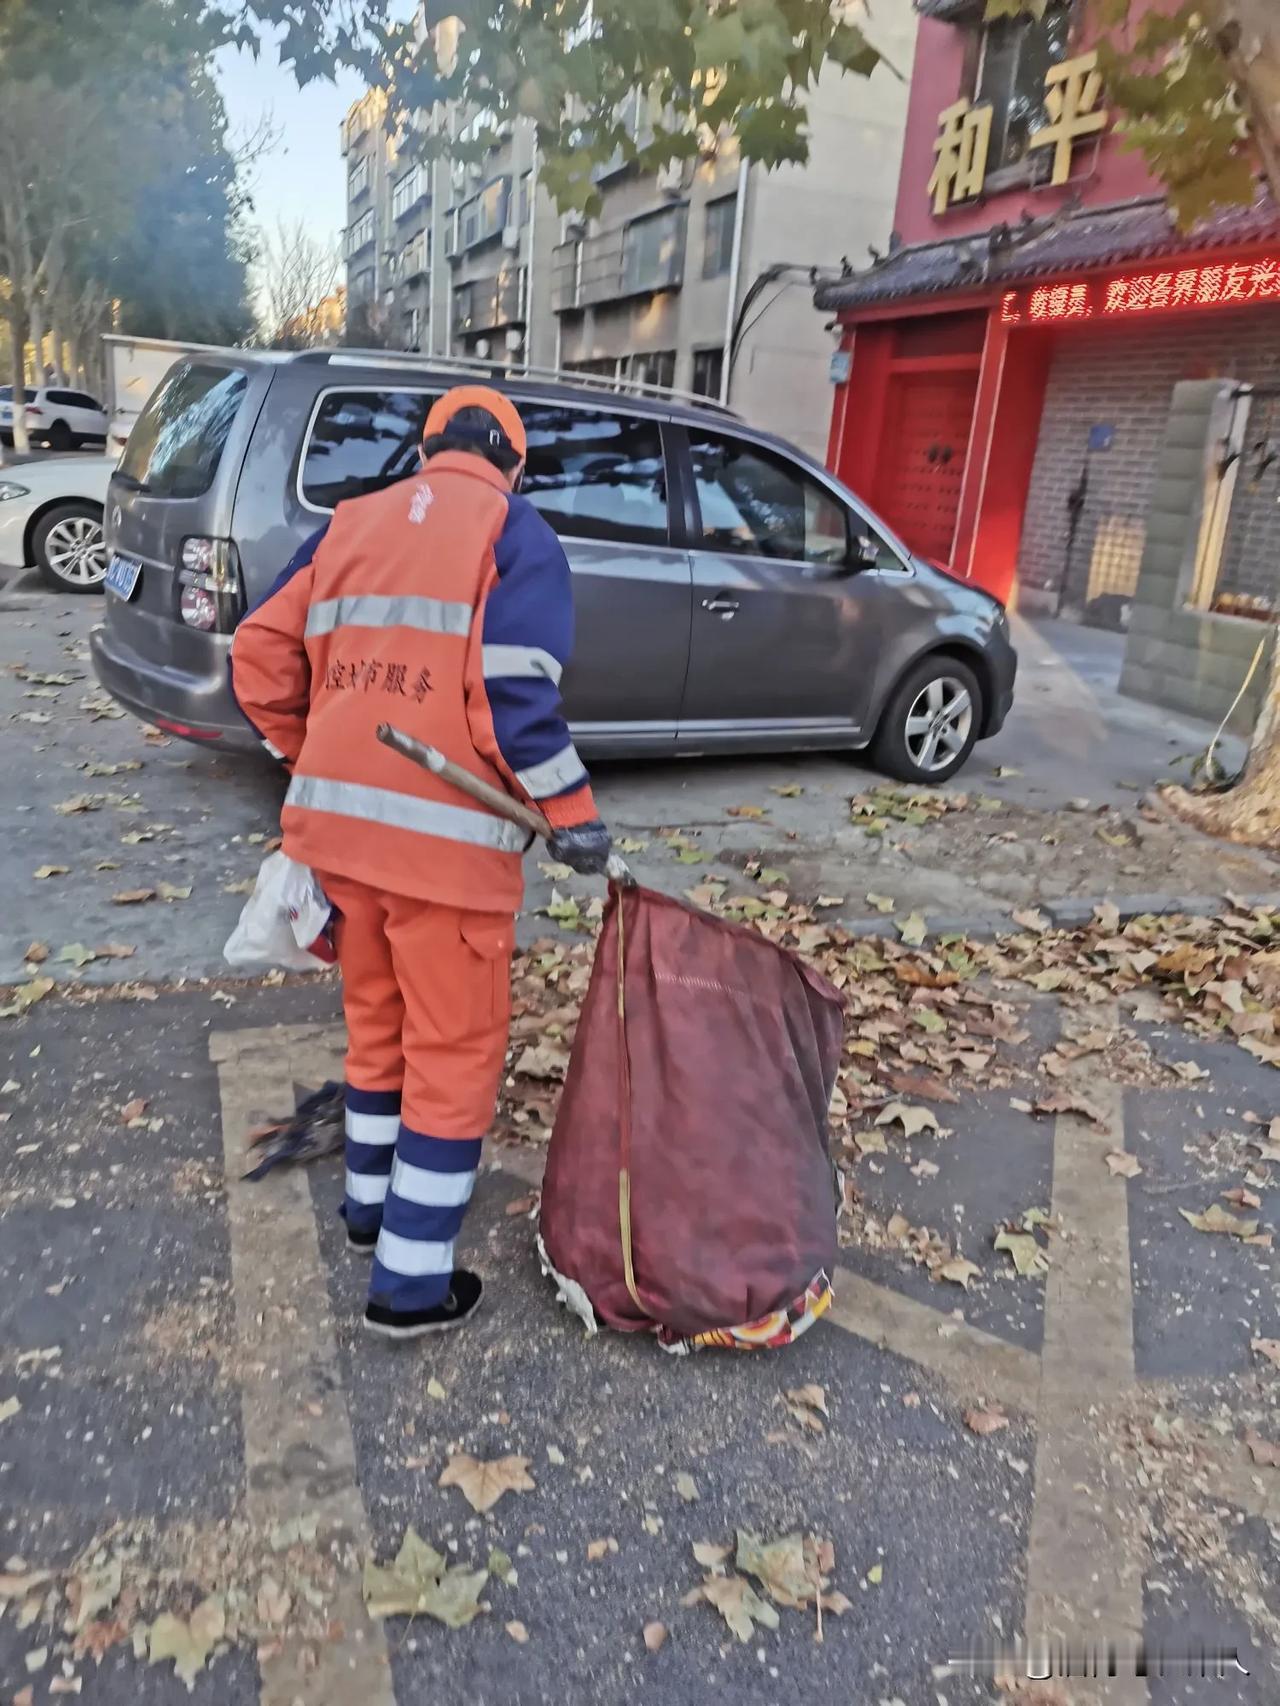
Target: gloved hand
x,y
584,848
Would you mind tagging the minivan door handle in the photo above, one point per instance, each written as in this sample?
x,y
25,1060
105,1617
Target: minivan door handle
x,y
722,606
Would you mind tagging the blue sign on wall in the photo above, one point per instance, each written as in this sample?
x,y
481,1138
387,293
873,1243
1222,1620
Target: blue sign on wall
x,y
1101,437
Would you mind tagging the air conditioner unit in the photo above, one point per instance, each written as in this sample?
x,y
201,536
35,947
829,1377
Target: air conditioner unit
x,y
670,178
572,226
511,238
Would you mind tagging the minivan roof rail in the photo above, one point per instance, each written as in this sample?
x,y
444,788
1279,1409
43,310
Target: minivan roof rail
x,y
496,370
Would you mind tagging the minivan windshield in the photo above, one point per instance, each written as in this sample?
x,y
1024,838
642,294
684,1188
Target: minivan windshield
x,y
178,439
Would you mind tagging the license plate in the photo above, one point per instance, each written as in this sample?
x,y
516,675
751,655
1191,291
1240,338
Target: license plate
x,y
122,576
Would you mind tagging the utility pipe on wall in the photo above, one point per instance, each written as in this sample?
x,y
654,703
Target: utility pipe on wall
x,y
735,264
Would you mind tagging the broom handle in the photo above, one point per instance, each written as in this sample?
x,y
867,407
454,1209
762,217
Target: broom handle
x,y
431,758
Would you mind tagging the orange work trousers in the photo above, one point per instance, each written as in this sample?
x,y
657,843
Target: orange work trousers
x,y
426,990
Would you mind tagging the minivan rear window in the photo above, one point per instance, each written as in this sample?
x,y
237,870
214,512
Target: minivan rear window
x,y
361,441
178,439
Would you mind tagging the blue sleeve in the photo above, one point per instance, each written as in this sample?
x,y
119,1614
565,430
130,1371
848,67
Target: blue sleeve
x,y
528,640
267,669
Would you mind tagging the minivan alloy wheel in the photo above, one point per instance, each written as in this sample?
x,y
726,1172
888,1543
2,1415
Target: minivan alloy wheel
x,y
76,551
938,722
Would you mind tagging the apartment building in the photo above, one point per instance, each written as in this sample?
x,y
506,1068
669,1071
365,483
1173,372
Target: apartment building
x,y
696,277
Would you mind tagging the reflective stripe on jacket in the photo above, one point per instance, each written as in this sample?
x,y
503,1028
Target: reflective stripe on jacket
x,y
441,605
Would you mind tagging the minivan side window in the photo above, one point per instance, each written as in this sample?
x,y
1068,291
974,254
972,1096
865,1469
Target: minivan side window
x,y
362,441
759,503
596,475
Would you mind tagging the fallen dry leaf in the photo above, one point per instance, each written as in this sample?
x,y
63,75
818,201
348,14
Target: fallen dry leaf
x,y
737,1602
1028,1257
654,1636
709,1554
597,1549
483,1484
517,1631
1242,1198
36,954
1269,1348
1122,1165
959,1271
686,1486
522,1205
418,1581
133,1110
779,1566
9,1407
43,872
132,897
1262,1451
188,1642
912,930
1216,1219
986,1421
912,1119
1064,1102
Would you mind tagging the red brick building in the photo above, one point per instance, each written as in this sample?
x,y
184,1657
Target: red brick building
x,y
1009,365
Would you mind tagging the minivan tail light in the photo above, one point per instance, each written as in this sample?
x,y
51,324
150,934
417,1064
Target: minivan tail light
x,y
210,589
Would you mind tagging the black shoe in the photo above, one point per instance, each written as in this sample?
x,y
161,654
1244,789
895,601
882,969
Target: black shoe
x,y
459,1306
361,1243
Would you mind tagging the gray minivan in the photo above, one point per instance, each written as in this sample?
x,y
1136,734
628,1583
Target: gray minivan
x,y
730,593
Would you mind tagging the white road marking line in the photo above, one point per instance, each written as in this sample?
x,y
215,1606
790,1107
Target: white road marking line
x,y
300,1461
1085,1555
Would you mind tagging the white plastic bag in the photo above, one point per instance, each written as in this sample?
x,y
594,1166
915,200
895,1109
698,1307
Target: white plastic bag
x,y
283,922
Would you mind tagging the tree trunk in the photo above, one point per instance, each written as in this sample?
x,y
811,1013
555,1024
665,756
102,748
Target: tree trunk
x,y
18,375
1249,812
36,316
1248,33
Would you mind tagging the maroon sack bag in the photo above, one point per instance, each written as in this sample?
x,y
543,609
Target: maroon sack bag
x,y
688,1186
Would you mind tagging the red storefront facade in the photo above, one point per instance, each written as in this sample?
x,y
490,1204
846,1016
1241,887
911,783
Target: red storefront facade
x,y
1007,367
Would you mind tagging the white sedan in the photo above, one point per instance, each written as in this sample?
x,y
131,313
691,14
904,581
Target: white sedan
x,y
51,518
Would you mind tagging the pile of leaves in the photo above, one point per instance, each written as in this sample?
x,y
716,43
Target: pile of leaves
x,y
1218,976
178,1595
877,811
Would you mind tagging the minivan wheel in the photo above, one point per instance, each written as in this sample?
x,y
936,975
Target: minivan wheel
x,y
928,728
69,548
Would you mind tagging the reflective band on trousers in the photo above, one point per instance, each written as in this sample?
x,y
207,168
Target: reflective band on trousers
x,y
367,1188
519,660
553,775
413,1256
377,610
403,811
431,1190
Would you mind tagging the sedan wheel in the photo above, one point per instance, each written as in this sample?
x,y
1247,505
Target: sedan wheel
x,y
70,550
928,727
938,723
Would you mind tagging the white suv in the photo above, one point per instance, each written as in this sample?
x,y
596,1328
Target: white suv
x,y
56,416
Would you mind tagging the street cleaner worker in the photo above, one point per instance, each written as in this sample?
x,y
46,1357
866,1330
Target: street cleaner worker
x,y
443,606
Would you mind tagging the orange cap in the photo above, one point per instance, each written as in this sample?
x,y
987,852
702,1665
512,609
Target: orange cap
x,y
483,397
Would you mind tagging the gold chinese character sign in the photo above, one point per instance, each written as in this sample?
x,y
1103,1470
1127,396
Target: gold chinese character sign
x,y
964,142
1071,94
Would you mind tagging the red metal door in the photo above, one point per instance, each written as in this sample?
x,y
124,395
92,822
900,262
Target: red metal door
x,y
928,419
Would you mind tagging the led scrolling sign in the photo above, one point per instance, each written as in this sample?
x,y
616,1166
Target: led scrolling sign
x,y
1219,285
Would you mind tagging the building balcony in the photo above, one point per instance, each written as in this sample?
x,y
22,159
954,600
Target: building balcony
x,y
637,259
489,304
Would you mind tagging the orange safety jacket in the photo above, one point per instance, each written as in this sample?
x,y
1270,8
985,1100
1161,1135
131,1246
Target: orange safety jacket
x,y
441,605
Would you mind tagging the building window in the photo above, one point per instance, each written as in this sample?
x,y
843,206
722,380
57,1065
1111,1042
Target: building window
x,y
651,367
708,365
717,241
358,182
526,198
1016,55
653,250
360,234
409,190
485,215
